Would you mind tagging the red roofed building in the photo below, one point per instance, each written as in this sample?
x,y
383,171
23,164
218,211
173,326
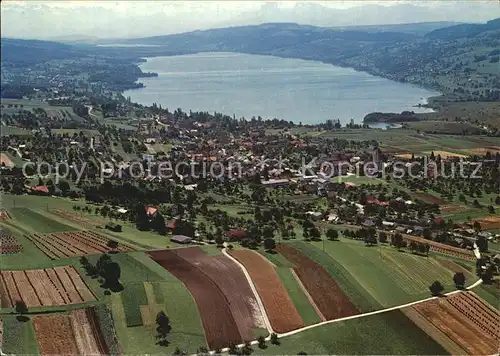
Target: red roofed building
x,y
235,234
171,224
378,202
41,189
151,210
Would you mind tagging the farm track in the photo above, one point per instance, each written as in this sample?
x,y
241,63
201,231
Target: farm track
x,y
281,311
69,244
231,281
218,322
327,295
44,287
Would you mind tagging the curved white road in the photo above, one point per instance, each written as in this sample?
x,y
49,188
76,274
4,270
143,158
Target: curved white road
x,y
296,331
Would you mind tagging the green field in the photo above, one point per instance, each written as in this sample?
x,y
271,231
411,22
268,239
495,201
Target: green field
x,y
133,296
18,337
39,207
297,296
410,139
389,276
171,296
360,297
37,222
389,333
30,257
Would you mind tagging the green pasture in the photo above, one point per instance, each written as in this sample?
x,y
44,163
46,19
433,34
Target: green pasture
x,y
359,296
36,221
297,295
12,130
168,294
18,337
133,296
390,333
389,276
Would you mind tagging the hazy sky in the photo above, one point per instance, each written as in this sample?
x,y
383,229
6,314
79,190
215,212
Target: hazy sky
x,y
107,19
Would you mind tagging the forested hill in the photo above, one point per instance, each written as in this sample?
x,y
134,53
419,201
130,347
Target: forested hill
x,y
465,30
25,52
267,36
460,60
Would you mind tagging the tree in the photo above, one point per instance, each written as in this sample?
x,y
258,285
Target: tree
x,y
246,349
219,240
163,328
64,186
202,350
21,309
269,244
233,350
459,280
262,342
158,224
397,240
436,288
179,352
482,244
274,339
332,234
315,233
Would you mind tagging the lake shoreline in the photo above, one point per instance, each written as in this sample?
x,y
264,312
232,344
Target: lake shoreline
x,y
344,116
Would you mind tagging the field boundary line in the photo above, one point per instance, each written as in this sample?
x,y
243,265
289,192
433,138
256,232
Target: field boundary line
x,y
306,292
254,290
308,327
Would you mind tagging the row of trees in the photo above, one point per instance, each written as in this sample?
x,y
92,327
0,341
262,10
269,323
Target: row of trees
x,y
106,269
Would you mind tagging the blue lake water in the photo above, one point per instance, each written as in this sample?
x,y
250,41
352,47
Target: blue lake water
x,y
254,85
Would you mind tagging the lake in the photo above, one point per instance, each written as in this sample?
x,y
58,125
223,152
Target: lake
x,y
253,85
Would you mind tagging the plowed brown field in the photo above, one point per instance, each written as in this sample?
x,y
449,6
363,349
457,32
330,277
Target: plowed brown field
x,y
489,223
55,335
325,292
465,319
232,282
44,287
279,307
217,319
429,198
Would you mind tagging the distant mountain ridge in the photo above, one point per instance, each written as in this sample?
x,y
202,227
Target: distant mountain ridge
x,y
401,56
464,30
